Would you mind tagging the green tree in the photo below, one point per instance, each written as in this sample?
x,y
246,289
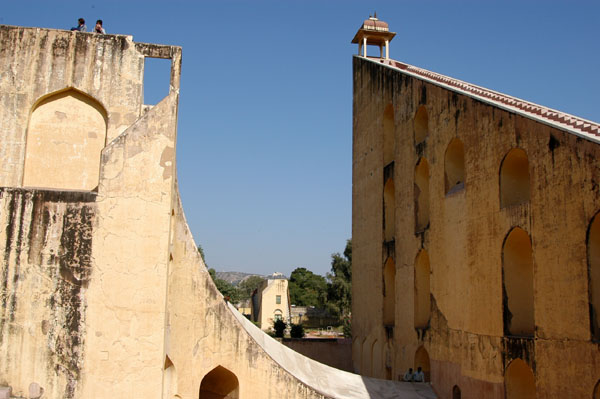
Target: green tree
x,y
279,326
297,331
307,288
227,289
339,290
202,255
247,286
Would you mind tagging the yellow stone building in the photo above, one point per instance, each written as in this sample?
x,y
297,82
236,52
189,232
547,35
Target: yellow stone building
x,y
476,235
271,302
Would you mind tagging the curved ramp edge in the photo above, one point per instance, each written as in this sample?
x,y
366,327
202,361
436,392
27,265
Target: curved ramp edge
x,y
327,380
244,348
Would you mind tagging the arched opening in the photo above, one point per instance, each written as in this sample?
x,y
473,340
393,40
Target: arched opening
x,y
389,292
456,394
277,315
422,360
219,383
514,178
169,379
66,134
421,195
389,210
517,262
389,138
421,124
422,290
597,390
593,252
519,382
454,166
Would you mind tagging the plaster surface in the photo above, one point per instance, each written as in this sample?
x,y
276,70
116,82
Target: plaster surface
x,y
462,338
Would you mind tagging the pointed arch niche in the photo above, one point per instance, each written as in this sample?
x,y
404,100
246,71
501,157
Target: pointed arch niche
x,y
514,178
454,166
389,138
519,381
517,270
593,253
219,383
389,292
421,193
389,210
422,290
456,394
65,136
421,124
422,360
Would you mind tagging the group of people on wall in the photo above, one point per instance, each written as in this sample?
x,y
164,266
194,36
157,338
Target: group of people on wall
x,y
81,27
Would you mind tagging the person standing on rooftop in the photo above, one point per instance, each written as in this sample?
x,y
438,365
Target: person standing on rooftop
x,y
98,28
81,27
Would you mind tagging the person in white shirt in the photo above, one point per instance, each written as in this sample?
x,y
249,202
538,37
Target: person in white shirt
x,y
419,376
408,376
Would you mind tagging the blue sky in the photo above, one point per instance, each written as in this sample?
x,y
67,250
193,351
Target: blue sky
x,y
265,117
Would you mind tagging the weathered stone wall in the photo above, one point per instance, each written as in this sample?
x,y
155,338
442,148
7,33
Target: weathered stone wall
x,y
46,241
464,238
37,62
332,352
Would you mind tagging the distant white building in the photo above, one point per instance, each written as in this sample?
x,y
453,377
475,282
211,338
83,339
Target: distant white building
x,y
271,301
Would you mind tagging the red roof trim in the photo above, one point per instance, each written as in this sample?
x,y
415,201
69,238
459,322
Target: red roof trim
x,y
574,124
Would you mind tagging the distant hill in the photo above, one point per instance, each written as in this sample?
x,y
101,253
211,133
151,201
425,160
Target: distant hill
x,y
235,277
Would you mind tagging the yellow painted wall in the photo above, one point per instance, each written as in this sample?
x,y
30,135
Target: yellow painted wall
x,y
465,338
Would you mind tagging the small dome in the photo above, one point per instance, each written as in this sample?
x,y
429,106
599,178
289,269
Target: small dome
x,y
374,24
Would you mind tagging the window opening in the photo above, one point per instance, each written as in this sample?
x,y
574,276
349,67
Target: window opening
x,y
278,299
220,383
454,166
593,252
456,394
389,212
389,138
389,292
514,178
65,137
421,194
517,257
519,381
421,124
422,290
422,361
157,79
